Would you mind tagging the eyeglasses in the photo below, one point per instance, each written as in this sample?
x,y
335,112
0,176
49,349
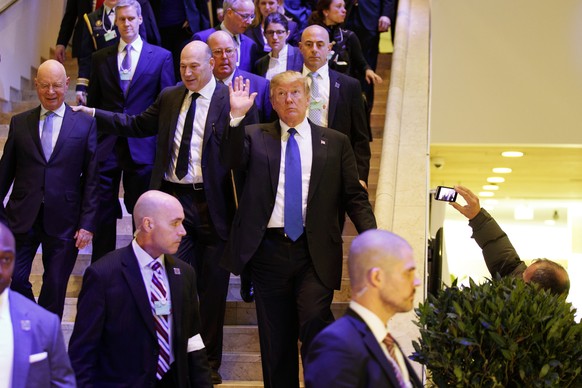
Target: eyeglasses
x,y
244,16
55,86
229,51
278,32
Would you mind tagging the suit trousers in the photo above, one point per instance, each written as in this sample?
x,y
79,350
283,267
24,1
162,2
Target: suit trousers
x,y
136,181
202,248
58,258
292,303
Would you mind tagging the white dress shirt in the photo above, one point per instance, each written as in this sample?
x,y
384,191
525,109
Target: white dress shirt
x,y
194,174
380,329
57,123
277,65
303,138
6,341
324,87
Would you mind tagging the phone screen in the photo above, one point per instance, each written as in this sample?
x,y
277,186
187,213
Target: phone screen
x,y
444,193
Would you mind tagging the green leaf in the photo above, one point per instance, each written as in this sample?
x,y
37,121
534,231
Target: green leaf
x,y
544,371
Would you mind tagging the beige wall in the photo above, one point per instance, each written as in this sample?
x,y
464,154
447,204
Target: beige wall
x,y
506,71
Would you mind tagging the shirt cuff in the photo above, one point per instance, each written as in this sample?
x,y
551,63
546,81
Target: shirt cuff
x,y
195,343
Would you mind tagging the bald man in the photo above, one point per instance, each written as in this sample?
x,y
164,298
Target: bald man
x,y
357,350
32,349
137,317
189,120
49,156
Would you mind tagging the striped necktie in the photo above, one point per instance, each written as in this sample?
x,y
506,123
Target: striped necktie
x,y
391,345
158,293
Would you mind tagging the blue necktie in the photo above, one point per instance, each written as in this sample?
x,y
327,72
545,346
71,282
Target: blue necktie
x,y
46,139
293,202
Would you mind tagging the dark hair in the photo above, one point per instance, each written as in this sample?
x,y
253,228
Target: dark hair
x,y
317,16
551,276
276,17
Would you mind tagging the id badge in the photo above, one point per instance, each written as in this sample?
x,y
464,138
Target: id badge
x,y
110,35
125,76
162,307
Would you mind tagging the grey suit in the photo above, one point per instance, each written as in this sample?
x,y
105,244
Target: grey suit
x,y
37,334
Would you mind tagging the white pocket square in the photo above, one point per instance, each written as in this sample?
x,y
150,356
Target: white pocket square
x,y
37,357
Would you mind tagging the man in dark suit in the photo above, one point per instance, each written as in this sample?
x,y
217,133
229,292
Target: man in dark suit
x,y
125,85
137,317
177,21
357,350
49,157
72,26
32,349
287,227
187,166
283,56
225,70
100,31
238,15
339,104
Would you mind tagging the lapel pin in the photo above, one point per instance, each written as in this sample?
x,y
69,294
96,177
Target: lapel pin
x,y
323,142
337,85
25,325
177,271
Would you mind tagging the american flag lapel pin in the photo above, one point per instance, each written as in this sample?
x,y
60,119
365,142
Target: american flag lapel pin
x,y
25,325
337,85
323,141
177,271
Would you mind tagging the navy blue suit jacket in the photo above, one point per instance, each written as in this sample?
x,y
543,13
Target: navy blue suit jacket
x,y
40,356
66,184
346,354
294,61
367,13
114,341
161,119
333,186
196,13
248,48
154,72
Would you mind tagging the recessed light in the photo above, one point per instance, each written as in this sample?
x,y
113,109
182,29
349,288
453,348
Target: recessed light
x,y
486,194
495,179
512,154
490,187
502,170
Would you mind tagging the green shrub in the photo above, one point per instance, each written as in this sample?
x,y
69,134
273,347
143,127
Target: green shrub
x,y
502,333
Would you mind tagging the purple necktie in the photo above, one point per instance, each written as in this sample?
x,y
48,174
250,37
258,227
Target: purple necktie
x,y
158,293
126,69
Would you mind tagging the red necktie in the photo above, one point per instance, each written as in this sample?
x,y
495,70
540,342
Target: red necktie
x,y
391,345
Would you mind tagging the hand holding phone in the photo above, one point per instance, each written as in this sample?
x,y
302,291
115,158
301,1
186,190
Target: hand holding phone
x,y
444,193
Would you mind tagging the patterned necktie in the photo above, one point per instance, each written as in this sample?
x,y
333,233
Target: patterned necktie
x,y
391,345
315,105
158,293
126,69
293,203
183,160
46,139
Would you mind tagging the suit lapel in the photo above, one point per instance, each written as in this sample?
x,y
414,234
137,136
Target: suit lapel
x,y
32,122
334,89
373,346
111,59
176,292
21,329
319,145
66,128
217,106
272,139
145,58
132,274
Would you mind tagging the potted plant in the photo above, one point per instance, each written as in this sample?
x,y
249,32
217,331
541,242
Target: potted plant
x,y
501,333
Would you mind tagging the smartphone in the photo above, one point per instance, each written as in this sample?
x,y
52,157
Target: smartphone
x,y
444,193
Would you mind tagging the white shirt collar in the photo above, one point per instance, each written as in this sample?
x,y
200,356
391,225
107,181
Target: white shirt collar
x,y
60,111
323,71
143,258
5,303
301,128
282,53
136,45
378,328
207,90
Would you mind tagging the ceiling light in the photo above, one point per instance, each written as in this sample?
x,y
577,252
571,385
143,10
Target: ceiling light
x,y
502,170
486,194
491,187
512,154
495,179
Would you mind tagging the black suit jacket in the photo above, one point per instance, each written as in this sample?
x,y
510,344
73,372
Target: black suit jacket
x,y
73,21
334,185
347,114
161,119
294,61
114,341
346,354
366,13
66,184
153,72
